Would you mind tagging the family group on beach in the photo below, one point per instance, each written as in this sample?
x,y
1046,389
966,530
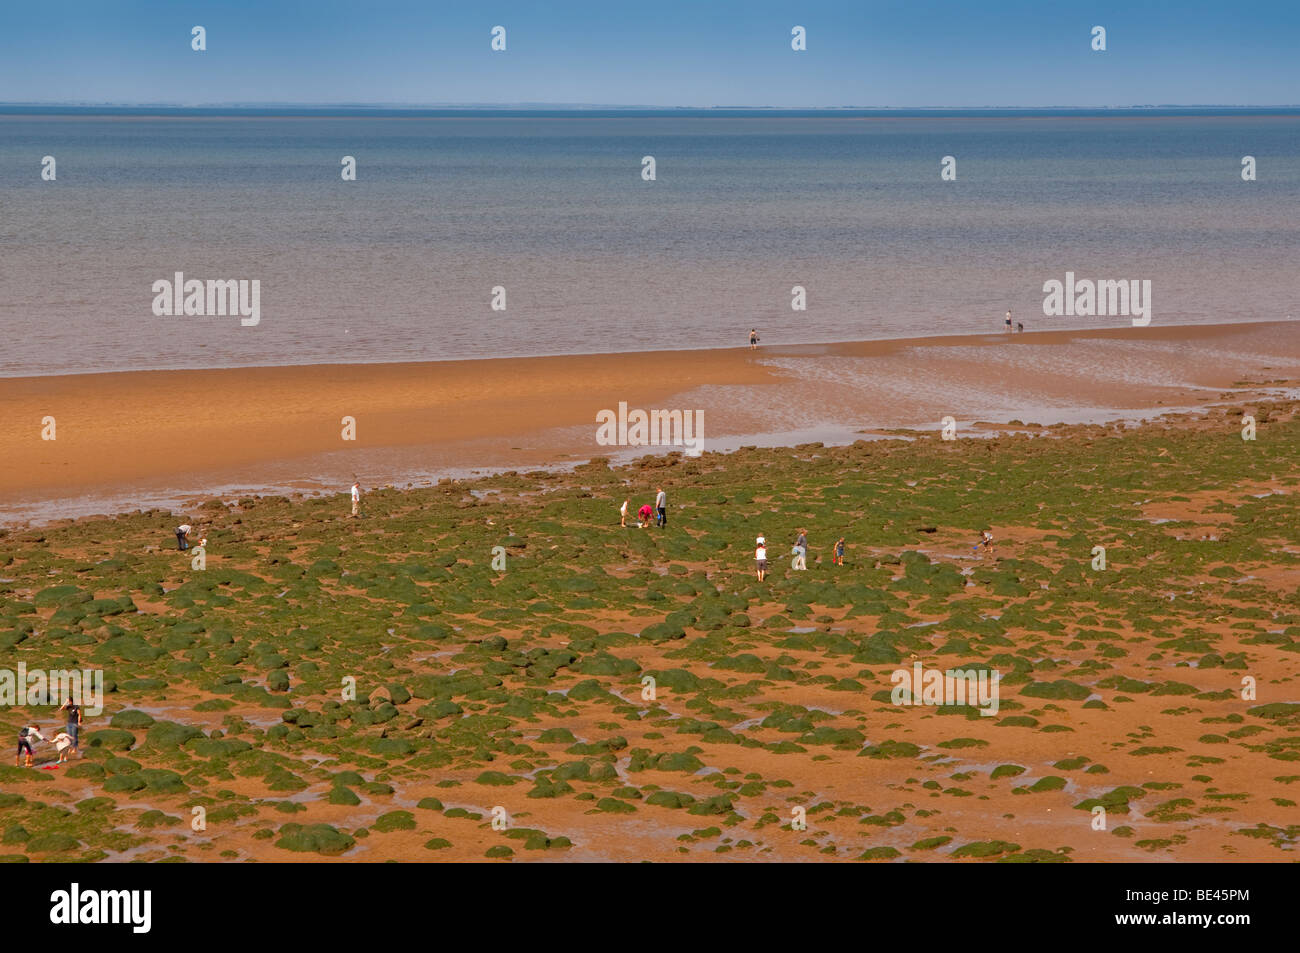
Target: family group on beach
x,y
799,551
659,512
65,742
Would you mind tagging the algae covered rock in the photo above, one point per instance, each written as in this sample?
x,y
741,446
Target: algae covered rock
x,y
314,838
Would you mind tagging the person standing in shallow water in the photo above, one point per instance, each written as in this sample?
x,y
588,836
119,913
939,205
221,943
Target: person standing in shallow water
x,y
753,338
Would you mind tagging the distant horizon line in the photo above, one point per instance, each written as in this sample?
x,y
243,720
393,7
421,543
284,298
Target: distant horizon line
x,y
271,104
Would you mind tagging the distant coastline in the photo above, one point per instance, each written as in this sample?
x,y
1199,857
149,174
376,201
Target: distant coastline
x,y
571,111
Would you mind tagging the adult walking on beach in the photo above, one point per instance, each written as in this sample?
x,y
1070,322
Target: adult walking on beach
x,y
356,499
760,557
661,508
73,724
753,338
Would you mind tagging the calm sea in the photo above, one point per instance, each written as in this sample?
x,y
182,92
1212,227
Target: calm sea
x,y
447,205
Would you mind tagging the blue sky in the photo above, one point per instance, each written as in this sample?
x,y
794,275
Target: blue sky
x,y
661,52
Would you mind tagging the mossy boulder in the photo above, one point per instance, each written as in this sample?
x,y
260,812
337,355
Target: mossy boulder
x,y
314,839
131,719
394,821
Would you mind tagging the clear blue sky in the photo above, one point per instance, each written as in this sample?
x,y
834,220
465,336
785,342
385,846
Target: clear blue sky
x,y
661,52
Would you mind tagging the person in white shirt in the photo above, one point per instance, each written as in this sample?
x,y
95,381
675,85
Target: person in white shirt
x,y
63,742
26,735
760,556
182,536
661,508
622,514
356,499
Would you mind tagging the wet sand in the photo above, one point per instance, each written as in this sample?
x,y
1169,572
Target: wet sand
x,y
139,439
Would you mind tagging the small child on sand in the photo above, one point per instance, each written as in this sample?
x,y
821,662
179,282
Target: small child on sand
x,y
985,540
837,557
622,513
643,516
63,742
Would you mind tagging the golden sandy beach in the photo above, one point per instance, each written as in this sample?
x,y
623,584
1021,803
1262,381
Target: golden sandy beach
x,y
124,439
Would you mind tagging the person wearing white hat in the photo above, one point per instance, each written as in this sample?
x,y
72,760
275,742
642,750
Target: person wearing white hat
x,y
760,556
